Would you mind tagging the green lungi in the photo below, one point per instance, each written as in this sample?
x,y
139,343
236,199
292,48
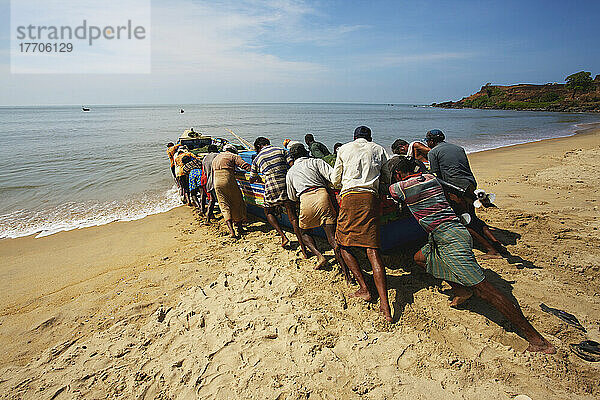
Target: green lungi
x,y
450,256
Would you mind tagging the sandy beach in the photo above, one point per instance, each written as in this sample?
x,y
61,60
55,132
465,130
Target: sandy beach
x,y
168,307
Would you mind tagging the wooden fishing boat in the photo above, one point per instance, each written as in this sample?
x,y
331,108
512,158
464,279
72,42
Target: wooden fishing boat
x,y
396,228
198,142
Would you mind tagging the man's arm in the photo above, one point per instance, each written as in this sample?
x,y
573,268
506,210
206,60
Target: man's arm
x,y
291,191
397,194
338,169
288,158
253,172
239,162
434,165
420,149
396,191
385,175
324,169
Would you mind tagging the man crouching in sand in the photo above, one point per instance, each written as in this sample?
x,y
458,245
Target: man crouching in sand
x,y
448,254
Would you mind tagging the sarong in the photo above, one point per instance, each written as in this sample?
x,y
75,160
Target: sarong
x,y
275,190
316,209
229,195
358,220
203,180
450,256
195,177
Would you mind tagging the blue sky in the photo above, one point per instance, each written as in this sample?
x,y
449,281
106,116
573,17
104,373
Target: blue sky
x,y
330,51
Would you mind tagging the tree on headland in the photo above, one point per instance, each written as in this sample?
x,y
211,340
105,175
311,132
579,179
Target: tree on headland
x,y
580,81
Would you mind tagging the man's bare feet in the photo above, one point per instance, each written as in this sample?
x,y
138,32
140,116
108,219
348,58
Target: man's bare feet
x,y
460,296
546,347
386,314
362,293
321,262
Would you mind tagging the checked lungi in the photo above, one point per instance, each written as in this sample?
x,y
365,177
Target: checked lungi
x,y
450,256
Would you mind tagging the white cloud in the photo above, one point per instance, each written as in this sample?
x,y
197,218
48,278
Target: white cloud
x,y
231,40
224,50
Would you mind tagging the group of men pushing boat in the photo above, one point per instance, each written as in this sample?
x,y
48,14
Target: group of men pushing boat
x,y
362,172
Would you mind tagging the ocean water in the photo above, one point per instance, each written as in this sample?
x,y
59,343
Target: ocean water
x,y
64,169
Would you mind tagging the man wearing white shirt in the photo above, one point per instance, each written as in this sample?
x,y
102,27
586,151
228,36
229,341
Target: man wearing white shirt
x,y
358,169
307,182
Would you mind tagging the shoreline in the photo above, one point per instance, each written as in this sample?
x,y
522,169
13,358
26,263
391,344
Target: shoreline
x,y
576,130
41,233
82,309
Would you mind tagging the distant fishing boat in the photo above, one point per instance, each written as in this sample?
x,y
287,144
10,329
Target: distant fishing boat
x,y
84,109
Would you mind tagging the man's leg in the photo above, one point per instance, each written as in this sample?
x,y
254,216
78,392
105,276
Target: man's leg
x,y
211,205
194,198
180,189
229,224
510,310
491,251
330,232
273,221
240,228
184,194
380,281
363,290
461,206
310,243
203,197
514,314
461,293
420,260
291,213
186,189
488,234
480,225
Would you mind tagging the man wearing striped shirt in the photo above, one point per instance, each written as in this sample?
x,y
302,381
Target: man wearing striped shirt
x,y
448,254
273,163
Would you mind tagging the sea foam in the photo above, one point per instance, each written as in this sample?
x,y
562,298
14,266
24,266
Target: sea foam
x,y
77,215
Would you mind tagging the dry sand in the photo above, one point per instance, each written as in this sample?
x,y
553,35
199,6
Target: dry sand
x,y
167,307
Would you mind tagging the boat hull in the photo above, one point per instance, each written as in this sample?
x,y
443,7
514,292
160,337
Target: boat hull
x,y
396,228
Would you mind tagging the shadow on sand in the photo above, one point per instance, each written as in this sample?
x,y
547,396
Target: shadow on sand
x,y
417,279
507,237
